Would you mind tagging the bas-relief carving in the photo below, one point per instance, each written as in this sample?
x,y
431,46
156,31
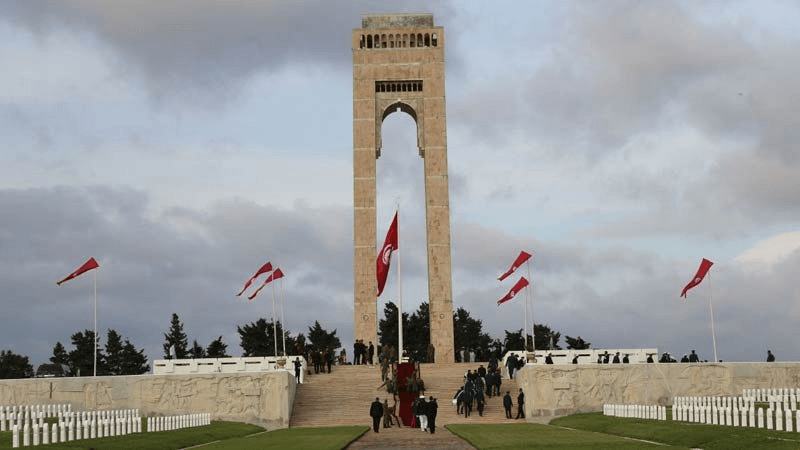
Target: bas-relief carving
x,y
263,399
554,390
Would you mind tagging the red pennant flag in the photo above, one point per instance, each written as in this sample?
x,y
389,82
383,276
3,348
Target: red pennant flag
x,y
523,256
701,273
385,255
273,276
87,266
514,291
264,269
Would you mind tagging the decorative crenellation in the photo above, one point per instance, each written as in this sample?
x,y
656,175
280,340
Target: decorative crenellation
x,y
421,39
399,86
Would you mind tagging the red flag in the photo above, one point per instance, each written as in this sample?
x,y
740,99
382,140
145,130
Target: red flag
x,y
385,255
264,269
514,291
273,276
701,273
523,256
87,266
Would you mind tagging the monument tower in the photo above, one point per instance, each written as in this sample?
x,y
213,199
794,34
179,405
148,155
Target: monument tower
x,y
398,65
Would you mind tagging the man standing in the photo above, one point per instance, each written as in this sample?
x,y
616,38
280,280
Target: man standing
x,y
376,412
507,404
693,357
371,353
430,410
511,364
298,366
521,404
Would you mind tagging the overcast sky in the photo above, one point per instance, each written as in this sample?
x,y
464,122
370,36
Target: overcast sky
x,y
185,143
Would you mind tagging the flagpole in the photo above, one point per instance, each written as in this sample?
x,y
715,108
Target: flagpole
x,y
274,323
283,321
711,309
399,294
95,323
529,298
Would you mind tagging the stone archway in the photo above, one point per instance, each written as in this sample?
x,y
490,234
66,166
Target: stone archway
x,y
398,63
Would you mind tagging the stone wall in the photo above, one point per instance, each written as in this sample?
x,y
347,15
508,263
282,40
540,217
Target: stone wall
x,y
561,390
263,399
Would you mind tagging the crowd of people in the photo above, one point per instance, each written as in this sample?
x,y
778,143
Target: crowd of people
x,y
484,383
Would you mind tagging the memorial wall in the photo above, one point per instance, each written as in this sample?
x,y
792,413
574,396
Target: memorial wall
x,y
557,390
263,399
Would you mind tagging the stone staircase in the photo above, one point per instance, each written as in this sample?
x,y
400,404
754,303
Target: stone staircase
x,y
343,397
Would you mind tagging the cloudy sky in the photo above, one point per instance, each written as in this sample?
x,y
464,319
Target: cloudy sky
x,y
185,143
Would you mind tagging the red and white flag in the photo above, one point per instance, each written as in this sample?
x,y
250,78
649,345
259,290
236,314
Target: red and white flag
x,y
698,277
523,256
385,255
87,266
514,291
264,269
272,277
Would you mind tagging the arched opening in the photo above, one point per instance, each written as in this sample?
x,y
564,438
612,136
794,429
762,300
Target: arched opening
x,y
400,177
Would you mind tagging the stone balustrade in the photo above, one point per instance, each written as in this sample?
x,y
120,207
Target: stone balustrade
x,y
225,365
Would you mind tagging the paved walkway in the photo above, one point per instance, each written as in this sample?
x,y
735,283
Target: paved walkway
x,y
396,438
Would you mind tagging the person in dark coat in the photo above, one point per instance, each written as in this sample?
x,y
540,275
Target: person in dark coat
x,y
616,359
548,359
376,412
625,359
430,411
507,404
521,404
370,353
693,357
466,398
298,366
479,401
511,365
770,356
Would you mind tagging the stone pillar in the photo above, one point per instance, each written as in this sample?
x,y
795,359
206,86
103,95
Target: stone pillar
x,y
398,65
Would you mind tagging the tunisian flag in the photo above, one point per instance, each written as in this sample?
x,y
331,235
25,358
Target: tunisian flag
x,y
701,273
87,266
264,269
273,276
514,290
385,255
523,256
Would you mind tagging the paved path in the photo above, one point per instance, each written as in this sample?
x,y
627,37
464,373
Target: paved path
x,y
396,438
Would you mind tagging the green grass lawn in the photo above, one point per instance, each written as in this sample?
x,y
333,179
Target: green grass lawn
x,y
165,440
579,431
218,435
530,436
683,434
332,438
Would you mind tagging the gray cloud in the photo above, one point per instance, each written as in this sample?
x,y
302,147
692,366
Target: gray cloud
x,y
205,51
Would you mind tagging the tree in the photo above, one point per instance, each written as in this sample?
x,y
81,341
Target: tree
x,y
469,335
113,353
256,338
217,349
177,338
13,365
513,340
60,355
387,327
134,362
82,356
546,338
417,333
321,339
577,343
197,350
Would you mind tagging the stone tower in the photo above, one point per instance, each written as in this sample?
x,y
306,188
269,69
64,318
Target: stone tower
x,y
398,65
